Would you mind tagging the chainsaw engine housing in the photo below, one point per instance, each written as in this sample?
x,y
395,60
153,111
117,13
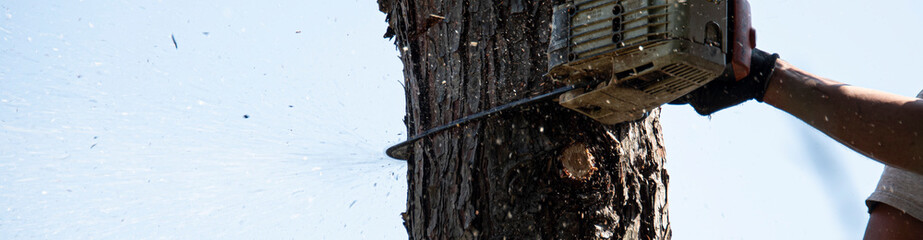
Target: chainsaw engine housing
x,y
638,54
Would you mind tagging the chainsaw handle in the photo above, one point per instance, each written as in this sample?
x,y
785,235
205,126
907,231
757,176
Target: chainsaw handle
x,y
744,39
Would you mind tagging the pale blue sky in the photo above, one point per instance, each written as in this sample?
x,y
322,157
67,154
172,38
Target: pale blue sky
x,y
108,131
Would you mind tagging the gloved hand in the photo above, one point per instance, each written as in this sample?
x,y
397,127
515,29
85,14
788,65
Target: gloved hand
x,y
725,92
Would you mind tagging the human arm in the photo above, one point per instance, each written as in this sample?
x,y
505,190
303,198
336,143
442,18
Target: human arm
x,y
888,222
883,126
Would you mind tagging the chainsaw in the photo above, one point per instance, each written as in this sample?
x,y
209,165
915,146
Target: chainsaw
x,y
620,59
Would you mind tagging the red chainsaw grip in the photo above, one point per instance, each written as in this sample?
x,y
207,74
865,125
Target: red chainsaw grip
x,y
744,39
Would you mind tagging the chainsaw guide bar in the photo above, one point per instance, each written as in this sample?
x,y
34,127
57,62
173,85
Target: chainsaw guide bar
x,y
402,150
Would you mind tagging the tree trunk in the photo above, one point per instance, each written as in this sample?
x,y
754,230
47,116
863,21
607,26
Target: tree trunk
x,y
543,172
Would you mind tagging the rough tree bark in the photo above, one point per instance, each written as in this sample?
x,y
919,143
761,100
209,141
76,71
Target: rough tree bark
x,y
505,177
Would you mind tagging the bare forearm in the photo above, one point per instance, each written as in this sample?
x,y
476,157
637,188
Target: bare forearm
x,y
880,125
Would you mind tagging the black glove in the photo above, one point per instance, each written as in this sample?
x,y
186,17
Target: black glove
x,y
725,92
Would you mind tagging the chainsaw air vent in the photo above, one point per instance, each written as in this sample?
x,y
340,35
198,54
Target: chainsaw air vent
x,y
602,26
682,78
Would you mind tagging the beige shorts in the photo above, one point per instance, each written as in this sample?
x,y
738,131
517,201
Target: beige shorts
x,y
901,189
